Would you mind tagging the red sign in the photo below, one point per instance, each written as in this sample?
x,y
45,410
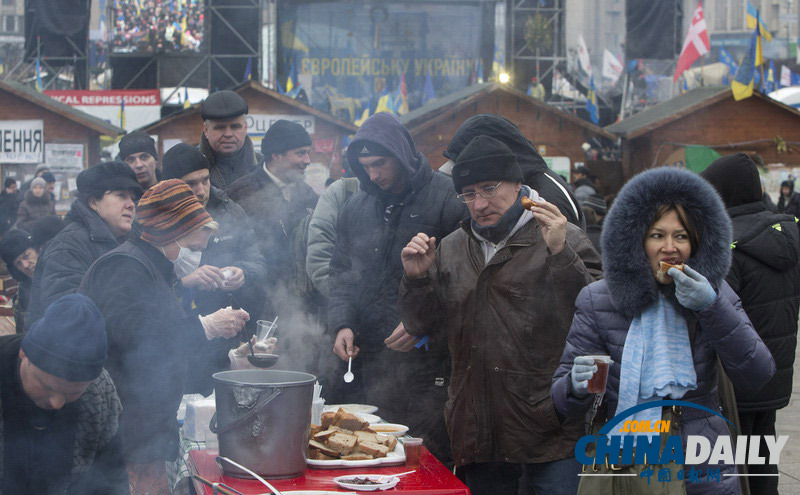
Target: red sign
x,y
131,97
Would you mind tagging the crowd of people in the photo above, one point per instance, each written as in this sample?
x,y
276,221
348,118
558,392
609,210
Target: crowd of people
x,y
158,25
467,315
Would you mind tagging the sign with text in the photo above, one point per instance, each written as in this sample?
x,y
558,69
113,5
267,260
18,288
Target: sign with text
x,y
257,124
129,108
64,157
21,141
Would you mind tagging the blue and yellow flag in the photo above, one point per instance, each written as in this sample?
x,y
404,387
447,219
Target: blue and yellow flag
x,y
742,85
754,19
248,70
186,102
39,85
591,103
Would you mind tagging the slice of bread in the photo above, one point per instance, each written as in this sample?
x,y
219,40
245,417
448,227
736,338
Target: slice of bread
x,y
389,440
322,448
364,436
344,419
373,449
327,419
341,442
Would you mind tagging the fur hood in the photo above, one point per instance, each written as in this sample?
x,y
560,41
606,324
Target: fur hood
x,y
627,271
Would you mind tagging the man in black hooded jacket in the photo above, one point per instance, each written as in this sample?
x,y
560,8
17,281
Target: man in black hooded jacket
x,y
400,196
535,173
766,275
789,202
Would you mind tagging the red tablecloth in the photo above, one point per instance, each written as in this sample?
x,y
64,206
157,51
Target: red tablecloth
x,y
431,478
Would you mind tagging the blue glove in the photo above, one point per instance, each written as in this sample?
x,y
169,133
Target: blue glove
x,y
582,370
693,290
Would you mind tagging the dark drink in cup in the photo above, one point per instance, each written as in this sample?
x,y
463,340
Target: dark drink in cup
x,y
413,448
597,384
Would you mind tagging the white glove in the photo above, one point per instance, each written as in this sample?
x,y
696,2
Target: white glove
x,y
225,322
238,356
583,368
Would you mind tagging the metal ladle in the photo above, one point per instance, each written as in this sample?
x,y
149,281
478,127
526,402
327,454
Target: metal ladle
x,y
263,360
248,471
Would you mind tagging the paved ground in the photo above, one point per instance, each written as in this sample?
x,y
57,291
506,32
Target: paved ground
x,y
789,424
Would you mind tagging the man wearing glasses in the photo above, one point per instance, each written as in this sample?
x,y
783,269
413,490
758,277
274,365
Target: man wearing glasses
x,y
502,289
400,195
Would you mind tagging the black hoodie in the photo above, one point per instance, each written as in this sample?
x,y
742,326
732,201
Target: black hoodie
x,y
374,226
764,272
535,172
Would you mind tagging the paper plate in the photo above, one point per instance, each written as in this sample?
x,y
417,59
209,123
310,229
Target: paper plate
x,y
389,429
397,456
352,408
385,485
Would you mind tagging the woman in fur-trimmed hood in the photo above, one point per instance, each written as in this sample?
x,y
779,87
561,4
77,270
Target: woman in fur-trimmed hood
x,y
694,316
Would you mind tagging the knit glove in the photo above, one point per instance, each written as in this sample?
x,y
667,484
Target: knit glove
x,y
225,322
693,290
582,370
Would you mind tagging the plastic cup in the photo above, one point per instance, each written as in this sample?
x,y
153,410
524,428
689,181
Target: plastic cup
x,y
597,384
413,448
264,330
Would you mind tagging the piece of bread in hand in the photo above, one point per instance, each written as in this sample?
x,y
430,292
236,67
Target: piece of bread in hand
x,y
528,203
664,267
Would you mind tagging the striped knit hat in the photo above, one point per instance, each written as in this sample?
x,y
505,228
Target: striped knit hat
x,y
170,210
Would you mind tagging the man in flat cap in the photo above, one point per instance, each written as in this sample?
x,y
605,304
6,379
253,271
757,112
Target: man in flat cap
x,y
231,265
60,409
138,150
224,142
277,199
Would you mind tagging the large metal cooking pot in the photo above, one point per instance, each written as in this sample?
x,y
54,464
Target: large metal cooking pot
x,y
262,421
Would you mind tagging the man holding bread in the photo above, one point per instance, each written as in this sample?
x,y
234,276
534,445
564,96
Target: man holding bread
x,y
503,288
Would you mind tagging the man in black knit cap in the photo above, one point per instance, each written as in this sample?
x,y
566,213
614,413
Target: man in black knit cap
x,y
138,150
60,409
224,141
277,199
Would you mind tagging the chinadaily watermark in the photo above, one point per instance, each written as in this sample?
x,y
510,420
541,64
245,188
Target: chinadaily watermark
x,y
614,446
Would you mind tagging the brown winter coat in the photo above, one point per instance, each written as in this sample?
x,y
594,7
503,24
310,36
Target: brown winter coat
x,y
507,323
33,208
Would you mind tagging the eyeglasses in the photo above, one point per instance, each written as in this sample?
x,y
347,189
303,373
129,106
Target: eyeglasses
x,y
486,192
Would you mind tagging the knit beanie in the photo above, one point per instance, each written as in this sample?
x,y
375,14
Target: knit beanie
x,y
38,182
137,142
168,211
10,181
69,341
48,177
108,176
596,203
181,160
14,243
736,179
283,136
484,159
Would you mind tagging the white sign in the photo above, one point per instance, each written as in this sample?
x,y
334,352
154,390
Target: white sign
x,y
558,164
61,157
21,141
257,124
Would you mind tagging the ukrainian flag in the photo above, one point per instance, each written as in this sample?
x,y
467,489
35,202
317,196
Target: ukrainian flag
x,y
753,19
742,85
591,103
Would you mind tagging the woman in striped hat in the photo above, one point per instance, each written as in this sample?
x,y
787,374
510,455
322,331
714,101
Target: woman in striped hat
x,y
156,352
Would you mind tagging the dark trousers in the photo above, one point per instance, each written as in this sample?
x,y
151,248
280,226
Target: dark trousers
x,y
503,478
760,423
409,388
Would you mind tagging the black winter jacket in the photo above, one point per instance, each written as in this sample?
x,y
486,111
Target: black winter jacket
x,y
233,245
766,275
274,220
790,206
67,256
374,227
156,353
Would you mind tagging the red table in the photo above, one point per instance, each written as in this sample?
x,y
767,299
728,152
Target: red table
x,y
431,478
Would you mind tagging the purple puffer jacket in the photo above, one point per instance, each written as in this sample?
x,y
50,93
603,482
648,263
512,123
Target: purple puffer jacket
x,y
721,330
606,308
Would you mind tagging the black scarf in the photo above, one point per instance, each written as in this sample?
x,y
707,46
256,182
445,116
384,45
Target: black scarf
x,y
499,231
